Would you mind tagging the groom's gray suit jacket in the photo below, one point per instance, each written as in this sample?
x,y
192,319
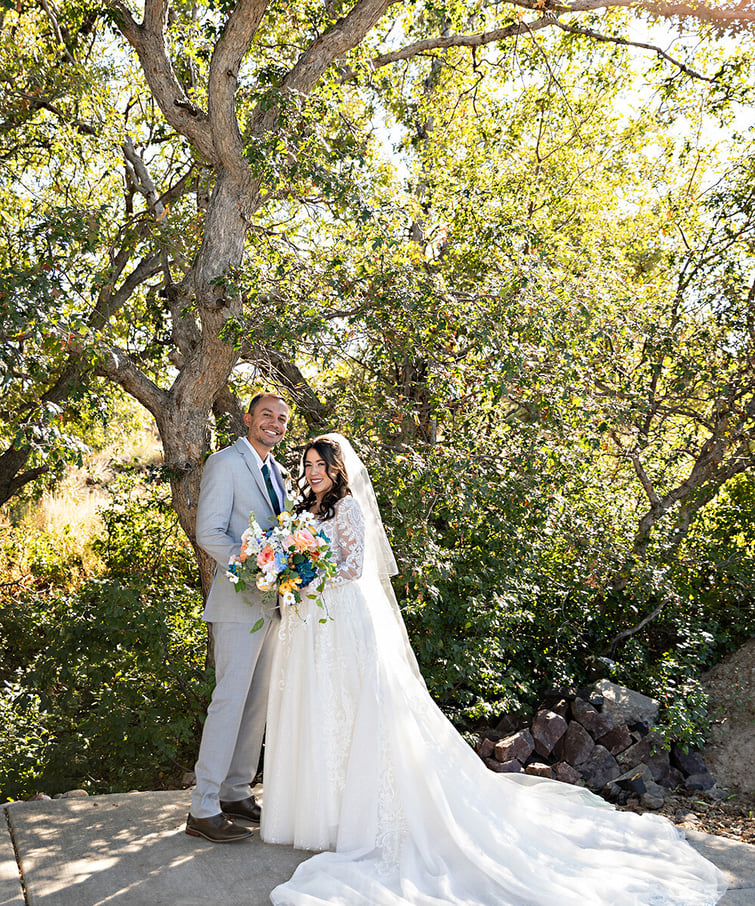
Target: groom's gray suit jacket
x,y
232,488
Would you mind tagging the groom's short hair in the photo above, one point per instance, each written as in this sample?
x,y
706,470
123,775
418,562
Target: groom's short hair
x,y
258,397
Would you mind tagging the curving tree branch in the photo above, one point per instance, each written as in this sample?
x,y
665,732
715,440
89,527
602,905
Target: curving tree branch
x,y
117,365
224,69
625,42
148,40
444,42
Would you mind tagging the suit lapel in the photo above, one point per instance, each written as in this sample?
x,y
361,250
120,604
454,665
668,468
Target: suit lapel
x,y
251,463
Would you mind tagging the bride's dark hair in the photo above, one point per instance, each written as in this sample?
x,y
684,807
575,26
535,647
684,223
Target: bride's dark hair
x,y
330,451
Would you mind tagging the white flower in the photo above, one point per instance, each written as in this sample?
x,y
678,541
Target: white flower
x,y
252,541
288,599
232,576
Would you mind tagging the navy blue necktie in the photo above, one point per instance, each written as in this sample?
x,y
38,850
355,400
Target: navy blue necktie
x,y
270,489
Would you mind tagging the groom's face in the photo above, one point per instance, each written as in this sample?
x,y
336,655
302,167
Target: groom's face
x,y
267,424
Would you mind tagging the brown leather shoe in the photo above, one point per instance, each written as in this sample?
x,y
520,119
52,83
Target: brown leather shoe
x,y
244,808
217,829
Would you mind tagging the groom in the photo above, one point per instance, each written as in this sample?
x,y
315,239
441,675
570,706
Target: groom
x,y
236,481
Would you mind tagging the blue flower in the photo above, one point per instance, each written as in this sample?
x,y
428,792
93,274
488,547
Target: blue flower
x,y
303,566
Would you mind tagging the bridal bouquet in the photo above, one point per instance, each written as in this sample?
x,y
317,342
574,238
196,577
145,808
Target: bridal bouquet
x,y
288,557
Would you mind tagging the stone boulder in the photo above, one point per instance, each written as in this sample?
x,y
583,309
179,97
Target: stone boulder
x,y
547,728
561,707
701,781
564,772
592,720
626,705
691,762
538,769
486,747
617,740
520,746
505,767
637,782
640,752
599,769
576,745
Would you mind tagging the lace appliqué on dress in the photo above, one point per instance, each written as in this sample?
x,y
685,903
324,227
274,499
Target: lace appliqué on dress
x,y
346,532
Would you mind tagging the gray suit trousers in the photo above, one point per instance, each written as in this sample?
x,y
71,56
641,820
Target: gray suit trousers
x,y
235,723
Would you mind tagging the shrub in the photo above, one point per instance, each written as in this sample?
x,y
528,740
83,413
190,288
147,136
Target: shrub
x,y
106,688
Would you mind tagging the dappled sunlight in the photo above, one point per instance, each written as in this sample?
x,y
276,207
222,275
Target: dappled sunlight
x,y
132,848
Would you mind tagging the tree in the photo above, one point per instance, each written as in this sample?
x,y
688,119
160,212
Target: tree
x,y
265,104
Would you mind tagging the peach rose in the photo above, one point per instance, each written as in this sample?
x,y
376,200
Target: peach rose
x,y
304,540
265,556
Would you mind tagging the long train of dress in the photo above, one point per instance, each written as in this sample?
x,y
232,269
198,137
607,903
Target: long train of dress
x,y
361,762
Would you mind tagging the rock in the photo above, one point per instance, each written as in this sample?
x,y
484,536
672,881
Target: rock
x,y
617,740
564,772
691,762
650,801
561,707
519,746
599,769
485,748
504,767
558,693
633,782
702,781
685,816
637,782
75,794
547,728
190,778
660,768
716,794
625,705
538,769
641,752
39,796
638,730
592,720
507,725
576,745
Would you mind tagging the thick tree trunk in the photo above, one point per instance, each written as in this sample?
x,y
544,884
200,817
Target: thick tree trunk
x,y
183,419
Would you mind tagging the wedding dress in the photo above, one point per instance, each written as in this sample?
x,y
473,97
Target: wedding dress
x,y
362,766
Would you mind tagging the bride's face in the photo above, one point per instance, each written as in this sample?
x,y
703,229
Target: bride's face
x,y
316,473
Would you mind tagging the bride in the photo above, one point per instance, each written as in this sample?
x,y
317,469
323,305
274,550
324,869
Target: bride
x,y
361,765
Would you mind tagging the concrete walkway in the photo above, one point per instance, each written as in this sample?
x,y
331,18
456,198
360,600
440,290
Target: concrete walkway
x,y
130,849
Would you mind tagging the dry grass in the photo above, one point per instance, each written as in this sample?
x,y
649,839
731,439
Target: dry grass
x,y
65,519
58,527
70,508
53,534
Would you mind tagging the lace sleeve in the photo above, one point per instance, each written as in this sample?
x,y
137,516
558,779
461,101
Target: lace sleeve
x,y
348,541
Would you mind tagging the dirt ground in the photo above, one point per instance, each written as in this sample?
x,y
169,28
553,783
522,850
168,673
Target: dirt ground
x,y
729,754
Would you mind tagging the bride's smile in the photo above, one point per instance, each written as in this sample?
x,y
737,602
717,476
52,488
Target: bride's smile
x,y
316,473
